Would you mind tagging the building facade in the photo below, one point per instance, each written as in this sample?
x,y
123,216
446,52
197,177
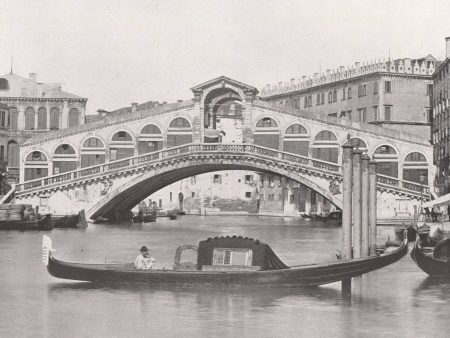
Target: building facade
x,y
441,123
395,94
35,107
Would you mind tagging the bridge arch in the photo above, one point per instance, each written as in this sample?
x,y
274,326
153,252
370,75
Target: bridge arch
x,y
126,196
326,146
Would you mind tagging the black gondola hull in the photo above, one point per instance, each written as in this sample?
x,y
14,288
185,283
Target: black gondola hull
x,y
432,266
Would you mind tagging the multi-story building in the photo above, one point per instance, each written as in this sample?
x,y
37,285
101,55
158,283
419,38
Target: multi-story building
x,y
4,135
35,107
441,122
395,94
218,192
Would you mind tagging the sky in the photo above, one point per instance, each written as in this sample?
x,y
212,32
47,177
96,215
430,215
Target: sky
x,y
116,52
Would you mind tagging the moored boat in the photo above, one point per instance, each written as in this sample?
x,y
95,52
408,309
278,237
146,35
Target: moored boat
x,y
41,222
435,261
68,221
332,215
223,260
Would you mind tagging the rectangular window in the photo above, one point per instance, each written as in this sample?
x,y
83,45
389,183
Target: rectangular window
x,y
349,93
248,179
387,86
113,155
332,114
343,93
235,256
170,197
2,153
430,89
362,114
362,90
334,95
3,118
330,97
305,102
160,203
375,113
217,179
310,101
248,194
318,99
343,114
193,194
429,115
388,113
375,87
323,98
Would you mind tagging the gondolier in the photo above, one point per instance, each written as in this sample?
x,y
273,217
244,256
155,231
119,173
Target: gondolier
x,y
144,261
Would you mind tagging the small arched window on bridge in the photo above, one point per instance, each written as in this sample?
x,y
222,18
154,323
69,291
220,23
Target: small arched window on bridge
x,y
36,166
415,168
179,132
387,161
267,134
326,147
296,140
150,139
13,118
93,152
4,84
122,146
64,159
357,142
42,118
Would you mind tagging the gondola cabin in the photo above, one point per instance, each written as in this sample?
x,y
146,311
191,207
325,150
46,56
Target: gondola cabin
x,y
442,250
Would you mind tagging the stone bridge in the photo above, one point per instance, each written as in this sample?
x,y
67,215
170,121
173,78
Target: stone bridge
x,y
115,163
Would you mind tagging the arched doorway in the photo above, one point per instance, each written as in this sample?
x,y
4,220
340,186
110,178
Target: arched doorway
x,y
64,159
387,161
150,139
326,147
35,166
179,132
296,140
267,133
93,152
121,146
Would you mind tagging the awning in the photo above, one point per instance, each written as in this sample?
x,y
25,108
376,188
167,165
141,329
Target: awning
x,y
440,201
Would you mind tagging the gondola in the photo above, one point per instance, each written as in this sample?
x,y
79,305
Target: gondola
x,y
223,260
332,215
308,216
40,223
435,261
145,218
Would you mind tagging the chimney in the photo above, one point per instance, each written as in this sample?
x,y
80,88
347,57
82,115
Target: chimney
x,y
447,47
134,107
33,77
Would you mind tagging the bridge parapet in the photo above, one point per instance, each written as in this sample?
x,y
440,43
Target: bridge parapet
x,y
307,165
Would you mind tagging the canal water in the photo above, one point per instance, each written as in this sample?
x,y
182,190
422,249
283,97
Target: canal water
x,y
396,301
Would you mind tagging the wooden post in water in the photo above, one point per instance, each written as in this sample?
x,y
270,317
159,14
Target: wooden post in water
x,y
415,217
357,203
365,204
347,172
373,207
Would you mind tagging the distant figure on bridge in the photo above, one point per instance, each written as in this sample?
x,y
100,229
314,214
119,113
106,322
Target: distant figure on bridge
x,y
144,261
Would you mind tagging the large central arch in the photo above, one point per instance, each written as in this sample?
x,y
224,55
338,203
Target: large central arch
x,y
144,184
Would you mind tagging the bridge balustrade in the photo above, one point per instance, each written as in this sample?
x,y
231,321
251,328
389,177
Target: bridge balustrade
x,y
332,168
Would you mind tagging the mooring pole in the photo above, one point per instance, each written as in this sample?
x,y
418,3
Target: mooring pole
x,y
373,207
357,203
365,204
347,173
415,217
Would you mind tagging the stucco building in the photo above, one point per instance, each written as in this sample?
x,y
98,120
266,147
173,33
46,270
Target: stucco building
x,y
441,122
35,107
395,94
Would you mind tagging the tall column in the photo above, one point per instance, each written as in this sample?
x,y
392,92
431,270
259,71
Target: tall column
x,y
357,203
373,206
36,110
365,204
307,200
347,172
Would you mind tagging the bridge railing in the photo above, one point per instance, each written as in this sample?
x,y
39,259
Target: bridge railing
x,y
305,161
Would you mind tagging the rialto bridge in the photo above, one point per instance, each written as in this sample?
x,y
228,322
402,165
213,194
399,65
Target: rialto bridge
x,y
113,164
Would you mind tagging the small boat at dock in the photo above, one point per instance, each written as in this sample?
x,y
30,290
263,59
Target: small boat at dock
x,y
223,260
435,261
40,222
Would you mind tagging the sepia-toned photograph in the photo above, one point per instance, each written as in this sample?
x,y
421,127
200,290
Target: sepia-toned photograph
x,y
238,168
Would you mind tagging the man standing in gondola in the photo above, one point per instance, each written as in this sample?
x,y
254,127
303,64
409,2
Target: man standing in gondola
x,y
144,261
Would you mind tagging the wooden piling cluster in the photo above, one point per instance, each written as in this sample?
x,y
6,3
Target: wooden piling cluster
x,y
359,205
